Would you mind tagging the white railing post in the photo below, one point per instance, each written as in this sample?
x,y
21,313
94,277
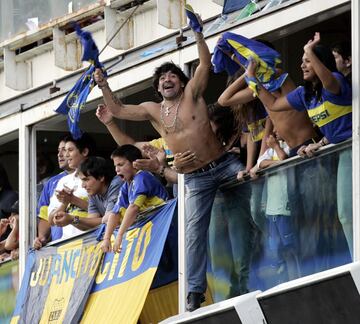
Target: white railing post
x,y
181,243
24,194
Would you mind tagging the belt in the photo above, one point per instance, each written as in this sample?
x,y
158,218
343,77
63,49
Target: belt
x,y
293,151
210,165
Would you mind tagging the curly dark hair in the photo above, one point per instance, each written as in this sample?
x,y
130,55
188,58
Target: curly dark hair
x,y
164,68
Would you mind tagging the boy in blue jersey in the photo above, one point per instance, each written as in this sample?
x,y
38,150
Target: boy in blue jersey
x,y
140,191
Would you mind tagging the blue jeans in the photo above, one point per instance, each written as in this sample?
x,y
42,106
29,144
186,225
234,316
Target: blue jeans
x,y
200,190
344,195
230,240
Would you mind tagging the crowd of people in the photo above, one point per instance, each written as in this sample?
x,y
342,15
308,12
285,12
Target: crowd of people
x,y
206,144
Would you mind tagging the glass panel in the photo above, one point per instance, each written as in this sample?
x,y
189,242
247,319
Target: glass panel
x,y
303,215
18,16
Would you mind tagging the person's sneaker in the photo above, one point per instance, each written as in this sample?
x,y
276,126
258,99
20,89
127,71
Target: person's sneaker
x,y
194,301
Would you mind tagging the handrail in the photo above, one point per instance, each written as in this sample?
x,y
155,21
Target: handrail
x,y
140,217
290,162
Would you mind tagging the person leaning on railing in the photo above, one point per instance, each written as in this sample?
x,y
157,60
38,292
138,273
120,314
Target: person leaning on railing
x,y
140,191
327,97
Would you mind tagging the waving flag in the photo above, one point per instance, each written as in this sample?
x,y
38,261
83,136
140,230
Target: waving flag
x,y
233,5
75,100
90,50
194,21
244,49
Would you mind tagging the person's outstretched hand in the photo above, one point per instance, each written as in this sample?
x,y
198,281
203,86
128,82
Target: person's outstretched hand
x,y
310,45
103,114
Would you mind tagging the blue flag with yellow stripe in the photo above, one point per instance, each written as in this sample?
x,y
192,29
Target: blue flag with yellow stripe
x,y
243,49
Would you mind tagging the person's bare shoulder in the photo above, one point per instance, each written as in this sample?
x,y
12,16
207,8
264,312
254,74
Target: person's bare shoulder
x,y
152,108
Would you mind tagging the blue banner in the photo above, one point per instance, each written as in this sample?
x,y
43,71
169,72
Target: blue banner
x,y
76,282
124,279
233,5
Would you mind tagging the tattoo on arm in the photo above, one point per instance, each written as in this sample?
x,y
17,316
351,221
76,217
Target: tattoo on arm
x,y
115,99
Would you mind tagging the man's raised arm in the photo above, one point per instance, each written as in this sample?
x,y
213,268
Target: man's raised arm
x,y
199,82
117,108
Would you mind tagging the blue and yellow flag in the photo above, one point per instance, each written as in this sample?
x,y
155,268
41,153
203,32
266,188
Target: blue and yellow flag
x,y
233,5
244,48
194,21
75,100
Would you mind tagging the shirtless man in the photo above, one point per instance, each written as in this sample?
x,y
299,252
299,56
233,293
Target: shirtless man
x,y
182,120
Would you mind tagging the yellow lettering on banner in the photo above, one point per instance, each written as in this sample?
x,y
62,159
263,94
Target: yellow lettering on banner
x,y
84,260
66,266
138,259
60,292
56,267
35,275
113,266
101,275
130,237
96,258
89,252
81,262
75,265
45,273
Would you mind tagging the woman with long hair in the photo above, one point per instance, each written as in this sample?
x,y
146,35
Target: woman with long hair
x,y
327,97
